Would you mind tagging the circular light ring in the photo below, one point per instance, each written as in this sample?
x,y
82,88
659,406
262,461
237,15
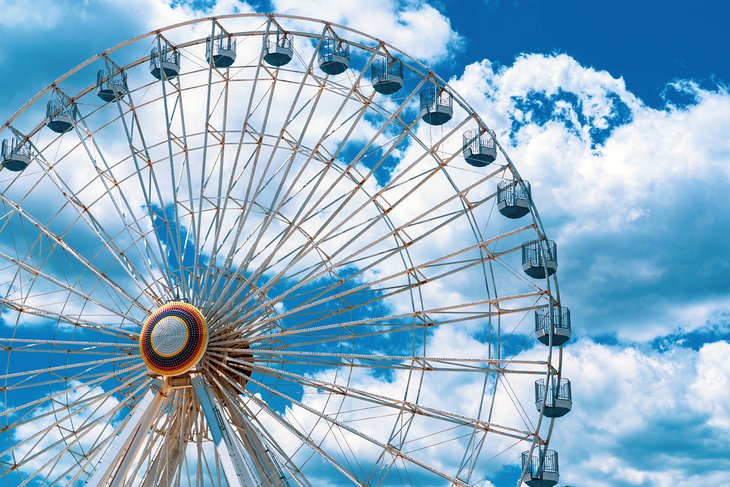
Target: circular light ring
x,y
173,339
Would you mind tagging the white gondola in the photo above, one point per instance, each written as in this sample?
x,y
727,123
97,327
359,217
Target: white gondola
x,y
61,113
514,199
479,149
278,48
221,50
437,105
553,320
111,86
15,155
559,400
541,468
165,62
386,75
539,258
333,56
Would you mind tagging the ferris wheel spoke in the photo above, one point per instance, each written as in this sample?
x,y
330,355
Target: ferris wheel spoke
x,y
87,381
58,240
222,203
175,242
385,324
290,161
296,431
397,362
34,342
377,399
416,271
257,442
256,275
359,114
36,372
110,182
35,410
77,408
219,135
152,187
36,271
73,437
253,163
346,427
419,220
91,222
62,318
307,249
132,228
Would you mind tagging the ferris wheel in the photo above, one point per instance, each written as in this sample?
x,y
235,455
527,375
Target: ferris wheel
x,y
270,250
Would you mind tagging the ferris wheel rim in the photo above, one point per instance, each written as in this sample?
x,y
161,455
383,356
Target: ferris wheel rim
x,y
470,113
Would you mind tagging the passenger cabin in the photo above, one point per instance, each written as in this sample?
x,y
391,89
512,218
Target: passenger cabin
x,y
386,75
220,50
553,397
165,62
61,113
278,49
15,154
541,468
110,85
479,149
539,258
553,320
333,56
514,198
437,105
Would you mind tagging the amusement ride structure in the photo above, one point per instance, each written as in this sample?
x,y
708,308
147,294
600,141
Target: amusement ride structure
x,y
270,250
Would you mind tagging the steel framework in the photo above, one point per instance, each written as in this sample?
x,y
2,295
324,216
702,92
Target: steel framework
x,y
365,302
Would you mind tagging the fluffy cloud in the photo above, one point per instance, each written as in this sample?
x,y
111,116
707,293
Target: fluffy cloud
x,y
628,191
643,417
415,27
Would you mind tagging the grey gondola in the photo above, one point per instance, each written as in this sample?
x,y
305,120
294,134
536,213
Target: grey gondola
x,y
539,258
513,199
559,398
553,319
278,49
111,86
479,149
221,50
15,155
386,75
165,62
61,113
437,106
542,469
333,56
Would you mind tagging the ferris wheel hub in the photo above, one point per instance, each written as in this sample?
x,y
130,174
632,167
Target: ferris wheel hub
x,y
173,339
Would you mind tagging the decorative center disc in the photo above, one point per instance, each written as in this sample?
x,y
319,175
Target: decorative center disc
x,y
173,339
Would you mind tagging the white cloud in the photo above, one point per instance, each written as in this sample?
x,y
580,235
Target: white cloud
x,y
31,16
415,27
625,189
641,416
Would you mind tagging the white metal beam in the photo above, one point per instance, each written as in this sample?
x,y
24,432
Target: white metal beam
x,y
116,461
236,466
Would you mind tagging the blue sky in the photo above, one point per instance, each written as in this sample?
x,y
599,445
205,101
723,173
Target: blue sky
x,y
618,114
